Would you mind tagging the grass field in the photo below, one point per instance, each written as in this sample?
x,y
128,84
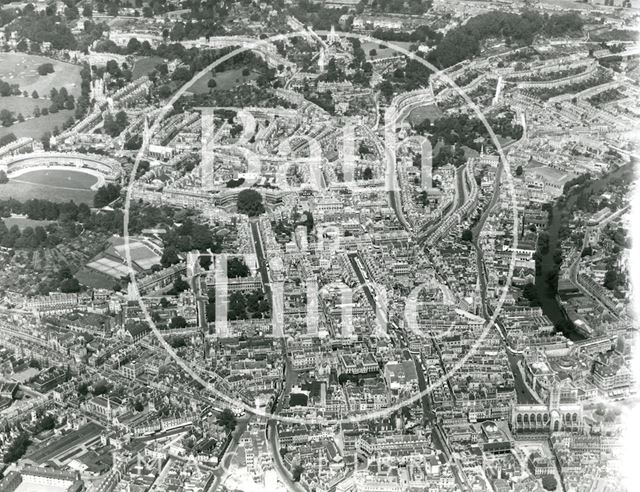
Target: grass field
x,y
367,46
36,127
418,115
94,279
225,80
59,179
27,191
23,222
144,65
22,69
24,105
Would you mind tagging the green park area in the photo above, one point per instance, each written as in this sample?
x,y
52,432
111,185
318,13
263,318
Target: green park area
x,y
57,186
224,80
26,84
22,69
36,127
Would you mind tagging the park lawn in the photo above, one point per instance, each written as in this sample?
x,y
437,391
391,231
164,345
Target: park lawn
x,y
94,279
418,115
145,64
367,46
504,140
22,69
68,179
24,105
225,80
23,222
36,127
27,191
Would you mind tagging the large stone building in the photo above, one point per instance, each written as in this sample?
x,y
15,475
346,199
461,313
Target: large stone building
x,y
562,411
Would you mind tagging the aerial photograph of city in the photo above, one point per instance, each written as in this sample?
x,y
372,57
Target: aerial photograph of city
x,y
319,245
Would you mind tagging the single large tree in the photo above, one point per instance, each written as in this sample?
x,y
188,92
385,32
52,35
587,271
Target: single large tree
x,y
227,419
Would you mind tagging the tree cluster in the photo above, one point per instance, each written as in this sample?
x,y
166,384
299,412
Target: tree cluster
x,y
27,238
48,422
464,42
43,27
530,293
413,76
46,69
549,482
236,268
7,89
106,194
613,279
17,448
227,419
462,130
240,96
39,209
7,118
547,93
61,99
422,34
317,15
186,237
249,202
179,286
254,305
113,126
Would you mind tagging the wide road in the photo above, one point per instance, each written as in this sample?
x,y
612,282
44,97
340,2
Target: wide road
x,y
523,393
438,437
394,195
492,203
271,429
362,280
461,188
283,473
224,466
260,254
201,300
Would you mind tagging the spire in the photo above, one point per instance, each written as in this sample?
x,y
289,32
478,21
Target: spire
x,y
333,37
322,60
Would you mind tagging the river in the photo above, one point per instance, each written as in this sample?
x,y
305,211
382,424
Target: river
x,y
549,303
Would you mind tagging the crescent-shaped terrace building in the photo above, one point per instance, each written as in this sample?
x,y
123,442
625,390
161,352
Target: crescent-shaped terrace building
x,y
106,169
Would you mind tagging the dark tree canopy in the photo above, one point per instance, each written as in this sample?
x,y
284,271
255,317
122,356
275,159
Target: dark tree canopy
x,y
549,482
464,42
236,267
250,203
106,194
46,69
227,419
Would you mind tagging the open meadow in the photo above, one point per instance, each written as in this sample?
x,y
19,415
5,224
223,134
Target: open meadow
x,y
54,185
144,65
36,127
22,69
224,80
